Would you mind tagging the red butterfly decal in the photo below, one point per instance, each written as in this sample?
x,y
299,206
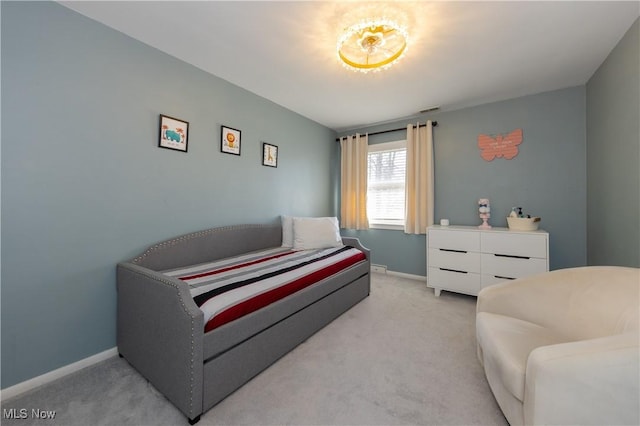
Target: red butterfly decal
x,y
502,146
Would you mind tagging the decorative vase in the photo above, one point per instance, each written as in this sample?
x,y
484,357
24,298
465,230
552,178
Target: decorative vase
x,y
484,208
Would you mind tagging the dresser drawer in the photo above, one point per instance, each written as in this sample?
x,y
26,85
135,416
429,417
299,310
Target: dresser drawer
x,y
454,240
529,245
458,260
489,280
460,282
511,267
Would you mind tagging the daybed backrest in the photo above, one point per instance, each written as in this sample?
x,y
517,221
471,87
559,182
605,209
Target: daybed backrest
x,y
210,244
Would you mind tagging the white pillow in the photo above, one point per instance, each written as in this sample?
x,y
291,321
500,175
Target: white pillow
x,y
316,232
287,231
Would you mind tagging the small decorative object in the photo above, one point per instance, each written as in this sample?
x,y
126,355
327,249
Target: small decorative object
x,y
523,223
518,222
502,146
444,222
269,155
484,208
230,140
173,133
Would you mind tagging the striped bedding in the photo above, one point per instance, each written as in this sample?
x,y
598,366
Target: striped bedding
x,y
227,289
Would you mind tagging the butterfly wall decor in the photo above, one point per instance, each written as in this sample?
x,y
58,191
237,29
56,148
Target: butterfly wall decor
x,y
502,146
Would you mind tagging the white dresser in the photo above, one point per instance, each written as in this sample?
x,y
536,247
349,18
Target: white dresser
x,y
465,259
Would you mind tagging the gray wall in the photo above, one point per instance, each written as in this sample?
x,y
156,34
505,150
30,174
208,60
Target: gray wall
x,y
85,186
613,156
547,178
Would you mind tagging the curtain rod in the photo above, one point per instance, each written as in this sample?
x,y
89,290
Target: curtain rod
x,y
433,123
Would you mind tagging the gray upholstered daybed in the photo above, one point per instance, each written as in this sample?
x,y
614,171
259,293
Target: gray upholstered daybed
x,y
161,330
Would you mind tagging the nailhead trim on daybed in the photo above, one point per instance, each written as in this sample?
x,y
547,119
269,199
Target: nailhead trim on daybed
x,y
169,243
184,307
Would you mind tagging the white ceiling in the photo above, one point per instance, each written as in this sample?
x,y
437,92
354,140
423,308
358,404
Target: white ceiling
x,y
461,53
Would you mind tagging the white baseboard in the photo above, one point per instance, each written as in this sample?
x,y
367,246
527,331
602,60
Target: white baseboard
x,y
405,275
49,377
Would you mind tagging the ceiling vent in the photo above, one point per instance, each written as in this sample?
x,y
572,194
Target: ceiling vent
x,y
430,109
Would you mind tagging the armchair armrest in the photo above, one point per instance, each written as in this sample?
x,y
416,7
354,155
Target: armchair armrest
x,y
592,381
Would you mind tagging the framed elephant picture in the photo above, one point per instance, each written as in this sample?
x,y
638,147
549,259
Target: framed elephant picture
x,y
174,133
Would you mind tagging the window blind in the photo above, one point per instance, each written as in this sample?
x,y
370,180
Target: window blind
x,y
385,189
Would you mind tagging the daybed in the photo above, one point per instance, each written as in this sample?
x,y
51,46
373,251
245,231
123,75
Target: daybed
x,y
562,347
161,330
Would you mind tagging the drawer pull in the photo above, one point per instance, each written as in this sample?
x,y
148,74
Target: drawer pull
x,y
454,251
512,256
453,270
503,278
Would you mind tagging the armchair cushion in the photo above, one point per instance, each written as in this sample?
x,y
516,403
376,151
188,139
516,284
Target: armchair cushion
x,y
513,340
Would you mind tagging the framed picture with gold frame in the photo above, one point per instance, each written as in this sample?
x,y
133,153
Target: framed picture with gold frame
x,y
269,155
230,140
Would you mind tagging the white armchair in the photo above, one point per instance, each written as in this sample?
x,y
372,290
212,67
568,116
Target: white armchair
x,y
562,347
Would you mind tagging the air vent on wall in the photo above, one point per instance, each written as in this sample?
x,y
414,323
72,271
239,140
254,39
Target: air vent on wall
x,y
430,109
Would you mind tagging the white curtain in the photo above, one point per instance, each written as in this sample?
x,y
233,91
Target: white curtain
x,y
419,179
353,182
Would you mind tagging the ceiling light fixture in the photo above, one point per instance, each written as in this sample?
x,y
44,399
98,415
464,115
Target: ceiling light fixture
x,y
372,45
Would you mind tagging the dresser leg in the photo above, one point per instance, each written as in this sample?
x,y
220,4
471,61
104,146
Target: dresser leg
x,y
437,291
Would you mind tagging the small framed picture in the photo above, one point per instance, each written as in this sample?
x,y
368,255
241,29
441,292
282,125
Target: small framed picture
x,y
230,140
269,155
174,133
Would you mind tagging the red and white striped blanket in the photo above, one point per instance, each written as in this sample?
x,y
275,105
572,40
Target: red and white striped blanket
x,y
227,289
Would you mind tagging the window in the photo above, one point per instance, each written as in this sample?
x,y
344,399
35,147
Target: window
x,y
385,188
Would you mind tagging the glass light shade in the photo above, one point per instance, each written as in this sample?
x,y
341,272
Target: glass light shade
x,y
372,45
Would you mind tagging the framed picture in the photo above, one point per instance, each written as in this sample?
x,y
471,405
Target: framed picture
x,y
230,140
174,133
269,155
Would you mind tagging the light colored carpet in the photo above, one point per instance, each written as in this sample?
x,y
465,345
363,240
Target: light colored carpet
x,y
400,357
